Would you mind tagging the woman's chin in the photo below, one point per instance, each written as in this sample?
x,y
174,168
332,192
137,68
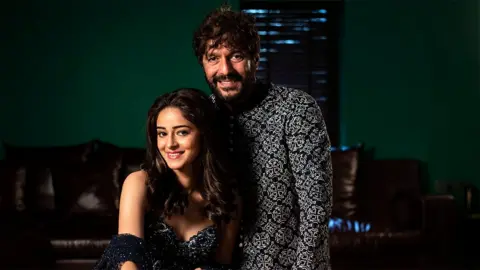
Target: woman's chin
x,y
176,166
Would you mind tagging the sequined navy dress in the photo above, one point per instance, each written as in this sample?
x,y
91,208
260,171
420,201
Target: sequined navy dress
x,y
162,250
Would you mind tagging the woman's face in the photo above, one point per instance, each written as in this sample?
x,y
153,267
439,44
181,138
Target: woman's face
x,y
178,140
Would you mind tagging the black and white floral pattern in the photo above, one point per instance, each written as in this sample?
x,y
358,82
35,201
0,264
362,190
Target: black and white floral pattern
x,y
283,152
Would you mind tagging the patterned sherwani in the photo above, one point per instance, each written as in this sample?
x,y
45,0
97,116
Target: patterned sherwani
x,y
282,151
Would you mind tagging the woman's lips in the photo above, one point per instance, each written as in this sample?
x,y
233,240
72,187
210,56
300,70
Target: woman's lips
x,y
174,155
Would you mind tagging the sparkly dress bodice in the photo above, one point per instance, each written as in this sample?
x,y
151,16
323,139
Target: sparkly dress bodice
x,y
162,250
169,252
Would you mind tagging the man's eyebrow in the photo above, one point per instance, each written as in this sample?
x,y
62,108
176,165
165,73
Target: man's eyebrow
x,y
213,52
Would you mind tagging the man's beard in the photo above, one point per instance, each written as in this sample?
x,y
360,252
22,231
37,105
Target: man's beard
x,y
242,92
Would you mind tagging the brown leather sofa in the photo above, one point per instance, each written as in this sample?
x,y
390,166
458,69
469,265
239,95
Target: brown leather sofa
x,y
383,216
68,197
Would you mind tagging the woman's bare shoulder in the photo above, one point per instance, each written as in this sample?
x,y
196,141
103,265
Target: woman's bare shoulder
x,y
139,176
136,182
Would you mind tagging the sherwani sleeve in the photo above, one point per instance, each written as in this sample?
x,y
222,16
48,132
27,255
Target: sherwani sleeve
x,y
308,147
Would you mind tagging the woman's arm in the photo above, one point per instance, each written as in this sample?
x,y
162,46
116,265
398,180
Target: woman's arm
x,y
129,266
132,209
127,250
133,204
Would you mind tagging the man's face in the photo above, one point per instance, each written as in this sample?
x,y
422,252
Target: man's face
x,y
229,73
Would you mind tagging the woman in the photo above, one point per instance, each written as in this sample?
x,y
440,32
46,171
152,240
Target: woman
x,y
181,210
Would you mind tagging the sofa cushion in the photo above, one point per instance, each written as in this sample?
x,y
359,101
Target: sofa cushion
x,y
82,235
87,187
34,163
83,226
86,248
39,191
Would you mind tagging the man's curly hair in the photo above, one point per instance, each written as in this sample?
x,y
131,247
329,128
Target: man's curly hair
x,y
235,30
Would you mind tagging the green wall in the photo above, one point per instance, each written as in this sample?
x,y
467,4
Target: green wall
x,y
76,72
410,83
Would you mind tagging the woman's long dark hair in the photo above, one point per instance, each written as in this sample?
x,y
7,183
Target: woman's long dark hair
x,y
165,194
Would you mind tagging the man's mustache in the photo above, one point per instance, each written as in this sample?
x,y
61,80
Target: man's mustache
x,y
229,77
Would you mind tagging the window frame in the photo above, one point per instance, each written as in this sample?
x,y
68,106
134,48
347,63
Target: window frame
x,y
335,17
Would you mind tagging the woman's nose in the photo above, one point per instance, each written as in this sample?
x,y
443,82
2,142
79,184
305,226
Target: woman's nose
x,y
172,142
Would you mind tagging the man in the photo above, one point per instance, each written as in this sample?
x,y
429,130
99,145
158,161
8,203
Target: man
x,y
280,144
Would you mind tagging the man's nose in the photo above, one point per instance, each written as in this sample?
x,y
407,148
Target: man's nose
x,y
225,66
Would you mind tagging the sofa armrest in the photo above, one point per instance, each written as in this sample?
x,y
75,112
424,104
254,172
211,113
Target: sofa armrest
x,y
439,221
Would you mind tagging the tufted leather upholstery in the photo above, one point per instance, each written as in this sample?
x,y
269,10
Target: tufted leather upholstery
x,y
70,196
